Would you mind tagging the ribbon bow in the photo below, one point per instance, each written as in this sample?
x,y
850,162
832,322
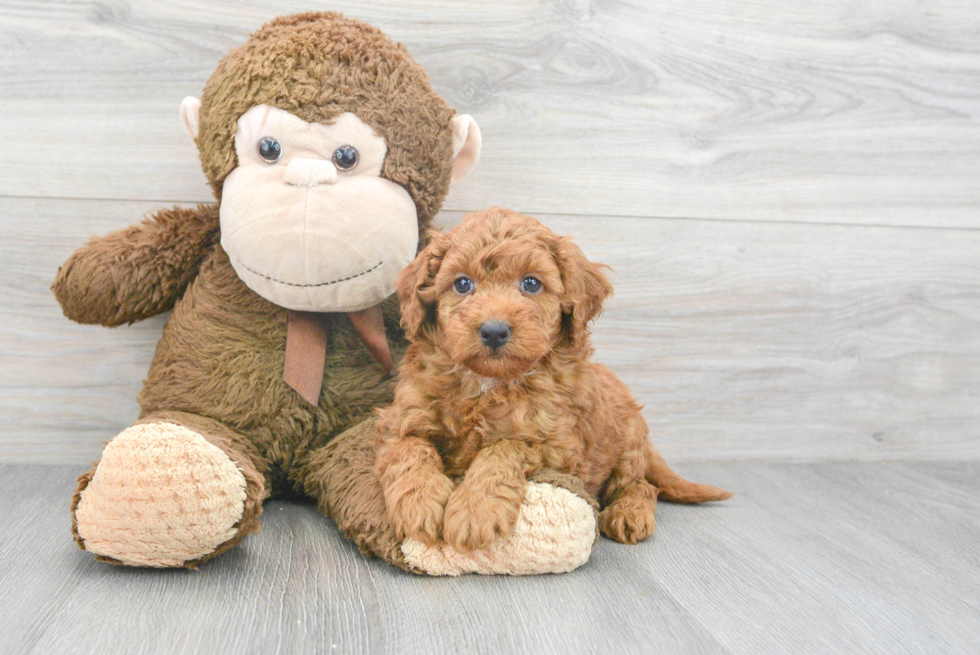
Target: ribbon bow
x,y
306,347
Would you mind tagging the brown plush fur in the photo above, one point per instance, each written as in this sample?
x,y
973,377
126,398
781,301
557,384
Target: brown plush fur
x,y
499,416
139,271
341,65
218,367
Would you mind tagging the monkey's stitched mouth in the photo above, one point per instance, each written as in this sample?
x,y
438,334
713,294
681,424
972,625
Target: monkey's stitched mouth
x,y
306,286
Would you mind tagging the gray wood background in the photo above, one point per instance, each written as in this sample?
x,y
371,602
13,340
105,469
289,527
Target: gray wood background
x,y
789,194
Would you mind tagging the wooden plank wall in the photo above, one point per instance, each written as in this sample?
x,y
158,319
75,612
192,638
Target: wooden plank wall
x,y
789,194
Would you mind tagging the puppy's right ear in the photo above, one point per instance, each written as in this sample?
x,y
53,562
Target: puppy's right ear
x,y
415,292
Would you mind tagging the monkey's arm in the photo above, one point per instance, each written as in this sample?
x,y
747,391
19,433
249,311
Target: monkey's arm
x,y
139,271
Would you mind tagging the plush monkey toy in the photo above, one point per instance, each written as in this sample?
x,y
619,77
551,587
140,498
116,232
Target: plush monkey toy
x,y
329,153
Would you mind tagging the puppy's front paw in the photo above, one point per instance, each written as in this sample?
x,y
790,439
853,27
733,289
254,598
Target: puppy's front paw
x,y
416,507
473,520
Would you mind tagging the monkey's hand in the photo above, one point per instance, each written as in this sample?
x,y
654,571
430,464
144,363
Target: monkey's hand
x,y
139,271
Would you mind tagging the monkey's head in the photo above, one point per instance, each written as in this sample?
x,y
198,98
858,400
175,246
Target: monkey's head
x,y
329,153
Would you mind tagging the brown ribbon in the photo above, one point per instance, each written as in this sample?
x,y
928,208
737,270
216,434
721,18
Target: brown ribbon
x,y
306,347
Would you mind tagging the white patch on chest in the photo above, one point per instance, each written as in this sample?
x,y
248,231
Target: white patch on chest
x,y
486,384
479,384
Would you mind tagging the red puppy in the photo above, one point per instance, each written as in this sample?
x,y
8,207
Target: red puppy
x,y
497,385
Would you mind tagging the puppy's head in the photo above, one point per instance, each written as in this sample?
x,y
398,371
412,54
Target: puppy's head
x,y
499,292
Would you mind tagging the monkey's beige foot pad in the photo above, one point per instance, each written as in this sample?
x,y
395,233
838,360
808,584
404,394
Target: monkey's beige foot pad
x,y
162,495
554,534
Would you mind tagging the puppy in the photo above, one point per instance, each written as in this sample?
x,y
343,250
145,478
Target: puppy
x,y
497,385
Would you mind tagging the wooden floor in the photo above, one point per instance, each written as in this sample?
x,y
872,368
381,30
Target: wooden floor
x,y
807,558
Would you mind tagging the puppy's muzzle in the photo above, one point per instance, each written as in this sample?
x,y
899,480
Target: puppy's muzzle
x,y
494,334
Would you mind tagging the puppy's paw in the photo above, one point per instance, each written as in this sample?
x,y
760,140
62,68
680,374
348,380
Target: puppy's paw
x,y
628,521
473,520
416,507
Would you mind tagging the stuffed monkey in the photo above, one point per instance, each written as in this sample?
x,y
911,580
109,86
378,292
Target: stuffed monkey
x,y
328,153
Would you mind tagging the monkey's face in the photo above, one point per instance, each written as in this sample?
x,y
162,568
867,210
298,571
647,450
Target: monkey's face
x,y
306,218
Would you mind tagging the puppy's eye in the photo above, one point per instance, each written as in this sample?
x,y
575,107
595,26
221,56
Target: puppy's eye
x,y
530,285
345,158
463,285
269,150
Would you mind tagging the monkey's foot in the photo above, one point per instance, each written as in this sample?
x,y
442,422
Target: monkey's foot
x,y
162,496
554,534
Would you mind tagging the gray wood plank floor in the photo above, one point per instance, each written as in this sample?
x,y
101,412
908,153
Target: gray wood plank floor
x,y
807,558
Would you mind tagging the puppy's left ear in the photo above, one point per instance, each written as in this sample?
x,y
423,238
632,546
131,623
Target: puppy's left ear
x,y
586,288
415,292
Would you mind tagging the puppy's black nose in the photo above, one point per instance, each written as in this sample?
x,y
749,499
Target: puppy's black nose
x,y
495,333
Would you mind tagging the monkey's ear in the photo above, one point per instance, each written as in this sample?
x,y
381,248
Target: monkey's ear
x,y
415,293
190,116
467,142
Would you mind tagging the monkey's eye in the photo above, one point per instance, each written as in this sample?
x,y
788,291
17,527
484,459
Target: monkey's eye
x,y
269,150
345,158
463,285
530,285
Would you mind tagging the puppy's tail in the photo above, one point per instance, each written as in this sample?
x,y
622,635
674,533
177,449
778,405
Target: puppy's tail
x,y
675,488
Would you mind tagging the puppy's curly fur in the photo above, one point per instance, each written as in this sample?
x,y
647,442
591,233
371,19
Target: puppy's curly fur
x,y
499,415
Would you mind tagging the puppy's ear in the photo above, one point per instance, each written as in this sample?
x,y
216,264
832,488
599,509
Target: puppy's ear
x,y
415,292
586,288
